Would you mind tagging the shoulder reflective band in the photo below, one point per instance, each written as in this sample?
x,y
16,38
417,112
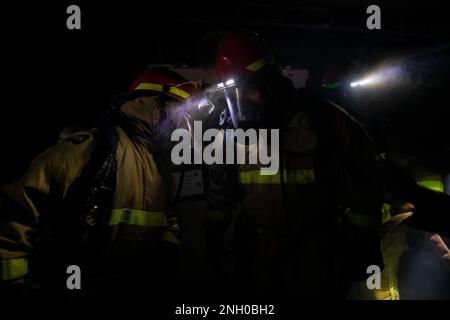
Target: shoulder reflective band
x,y
13,269
435,185
290,177
160,88
138,218
255,66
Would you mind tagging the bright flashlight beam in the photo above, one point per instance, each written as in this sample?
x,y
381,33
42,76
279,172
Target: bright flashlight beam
x,y
382,75
364,82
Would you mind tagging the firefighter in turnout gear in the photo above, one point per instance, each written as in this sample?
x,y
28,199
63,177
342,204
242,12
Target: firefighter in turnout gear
x,y
99,199
417,261
293,235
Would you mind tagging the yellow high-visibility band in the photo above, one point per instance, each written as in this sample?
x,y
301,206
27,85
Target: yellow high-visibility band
x,y
435,185
150,86
178,92
290,177
13,269
160,88
138,218
255,66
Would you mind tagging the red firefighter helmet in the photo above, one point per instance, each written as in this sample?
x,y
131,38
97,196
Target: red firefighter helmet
x,y
159,80
241,53
242,63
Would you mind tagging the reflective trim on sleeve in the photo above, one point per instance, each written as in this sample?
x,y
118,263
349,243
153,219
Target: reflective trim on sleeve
x,y
138,218
290,177
13,268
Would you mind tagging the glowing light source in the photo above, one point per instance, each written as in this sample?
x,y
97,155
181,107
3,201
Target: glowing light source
x,y
230,82
382,76
365,81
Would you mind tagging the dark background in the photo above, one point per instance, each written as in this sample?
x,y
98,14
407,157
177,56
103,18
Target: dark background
x,y
52,76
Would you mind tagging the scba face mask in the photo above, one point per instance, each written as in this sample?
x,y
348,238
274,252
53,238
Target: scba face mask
x,y
167,122
181,114
248,103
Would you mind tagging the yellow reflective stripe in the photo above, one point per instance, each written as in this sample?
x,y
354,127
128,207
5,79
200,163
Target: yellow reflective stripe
x,y
178,92
160,88
170,237
290,177
13,268
255,66
435,185
150,86
137,218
